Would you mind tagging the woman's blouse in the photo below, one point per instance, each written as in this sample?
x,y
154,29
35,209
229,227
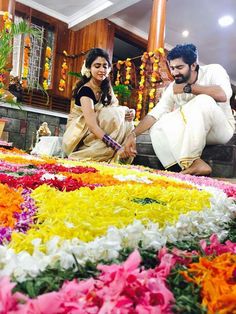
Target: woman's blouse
x,y
87,92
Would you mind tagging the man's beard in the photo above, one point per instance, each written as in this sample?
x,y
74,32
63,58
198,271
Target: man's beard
x,y
179,79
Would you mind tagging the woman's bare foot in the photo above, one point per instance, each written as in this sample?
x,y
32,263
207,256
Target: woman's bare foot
x,y
198,168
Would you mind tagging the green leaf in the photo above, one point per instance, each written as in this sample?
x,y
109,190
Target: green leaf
x,y
76,74
147,200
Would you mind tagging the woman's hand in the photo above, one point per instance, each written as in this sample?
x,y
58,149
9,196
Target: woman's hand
x,y
129,115
122,154
130,146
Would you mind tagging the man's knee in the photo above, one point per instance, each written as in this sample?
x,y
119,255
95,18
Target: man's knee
x,y
202,102
205,99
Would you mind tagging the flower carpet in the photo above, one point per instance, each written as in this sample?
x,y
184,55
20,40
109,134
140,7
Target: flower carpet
x,y
85,237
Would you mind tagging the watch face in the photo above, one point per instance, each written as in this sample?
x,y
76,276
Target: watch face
x,y
187,88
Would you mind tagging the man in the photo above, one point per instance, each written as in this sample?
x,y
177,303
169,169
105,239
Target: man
x,y
193,111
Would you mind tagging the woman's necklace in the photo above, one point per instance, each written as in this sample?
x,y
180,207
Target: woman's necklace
x,y
95,88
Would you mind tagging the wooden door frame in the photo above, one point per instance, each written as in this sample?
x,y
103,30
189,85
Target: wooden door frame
x,y
130,37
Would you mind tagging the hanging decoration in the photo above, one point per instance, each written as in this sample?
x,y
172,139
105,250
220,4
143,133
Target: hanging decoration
x,y
7,22
64,68
155,77
118,75
141,85
47,67
150,78
128,67
26,58
2,81
122,88
4,49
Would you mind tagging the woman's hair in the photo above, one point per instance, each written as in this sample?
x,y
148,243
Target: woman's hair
x,y
92,55
188,52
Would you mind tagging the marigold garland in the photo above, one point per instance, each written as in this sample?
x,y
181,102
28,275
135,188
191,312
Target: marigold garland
x,y
118,75
128,67
62,82
47,67
149,59
7,22
141,85
149,70
26,59
5,38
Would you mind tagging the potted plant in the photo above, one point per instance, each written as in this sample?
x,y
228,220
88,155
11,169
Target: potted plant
x,y
7,33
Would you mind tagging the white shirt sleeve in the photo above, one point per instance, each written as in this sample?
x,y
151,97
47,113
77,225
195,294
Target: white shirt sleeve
x,y
165,105
220,77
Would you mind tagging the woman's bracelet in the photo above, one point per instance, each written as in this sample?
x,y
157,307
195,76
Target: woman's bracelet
x,y
111,143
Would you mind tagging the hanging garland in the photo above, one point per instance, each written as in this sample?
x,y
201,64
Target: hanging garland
x,y
128,67
2,81
118,75
149,78
47,67
155,77
64,68
26,59
141,85
7,22
122,88
4,37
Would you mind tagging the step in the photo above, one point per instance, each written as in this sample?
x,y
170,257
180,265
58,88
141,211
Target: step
x,y
222,158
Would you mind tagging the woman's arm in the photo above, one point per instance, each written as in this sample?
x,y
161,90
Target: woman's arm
x,y
90,117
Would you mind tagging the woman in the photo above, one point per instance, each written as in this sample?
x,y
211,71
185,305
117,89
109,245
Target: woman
x,y
97,126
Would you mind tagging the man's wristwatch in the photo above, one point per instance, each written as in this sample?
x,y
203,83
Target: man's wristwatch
x,y
187,88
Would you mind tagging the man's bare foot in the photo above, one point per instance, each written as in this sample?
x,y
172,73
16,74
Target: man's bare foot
x,y
198,168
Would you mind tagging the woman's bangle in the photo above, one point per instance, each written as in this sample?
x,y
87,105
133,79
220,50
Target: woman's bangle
x,y
111,143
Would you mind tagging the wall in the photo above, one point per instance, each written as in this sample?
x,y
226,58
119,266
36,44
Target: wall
x,y
22,124
99,34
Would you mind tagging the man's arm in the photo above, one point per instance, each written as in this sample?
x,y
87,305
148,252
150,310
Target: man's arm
x,y
215,91
144,125
129,148
217,84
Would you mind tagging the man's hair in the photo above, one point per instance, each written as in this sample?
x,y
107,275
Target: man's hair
x,y
188,52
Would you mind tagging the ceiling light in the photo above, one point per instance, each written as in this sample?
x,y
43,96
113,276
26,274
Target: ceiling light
x,y
225,20
185,33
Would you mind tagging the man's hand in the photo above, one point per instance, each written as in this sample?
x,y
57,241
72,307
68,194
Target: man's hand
x,y
178,88
130,146
129,115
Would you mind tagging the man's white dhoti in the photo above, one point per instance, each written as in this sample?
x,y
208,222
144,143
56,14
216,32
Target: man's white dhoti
x,y
181,135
